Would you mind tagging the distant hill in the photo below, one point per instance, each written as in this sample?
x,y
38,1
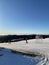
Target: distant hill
x,y
14,38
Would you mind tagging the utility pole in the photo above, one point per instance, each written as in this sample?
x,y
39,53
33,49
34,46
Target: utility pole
x,y
26,40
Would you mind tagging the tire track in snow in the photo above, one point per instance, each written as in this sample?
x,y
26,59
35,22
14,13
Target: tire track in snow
x,y
44,61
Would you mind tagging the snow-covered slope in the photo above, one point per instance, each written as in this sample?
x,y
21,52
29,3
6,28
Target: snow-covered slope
x,y
9,58
37,45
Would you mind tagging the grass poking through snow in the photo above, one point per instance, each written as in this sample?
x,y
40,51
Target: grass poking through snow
x,y
28,54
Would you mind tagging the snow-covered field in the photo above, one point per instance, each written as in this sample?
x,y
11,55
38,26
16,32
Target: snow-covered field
x,y
9,58
35,45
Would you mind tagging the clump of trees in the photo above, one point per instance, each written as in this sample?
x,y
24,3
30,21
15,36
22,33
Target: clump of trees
x,y
14,38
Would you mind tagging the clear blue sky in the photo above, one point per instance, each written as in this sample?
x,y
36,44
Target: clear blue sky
x,y
24,16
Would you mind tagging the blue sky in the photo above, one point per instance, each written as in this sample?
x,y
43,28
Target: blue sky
x,y
24,16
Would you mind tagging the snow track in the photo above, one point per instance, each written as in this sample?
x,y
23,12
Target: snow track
x,y
44,61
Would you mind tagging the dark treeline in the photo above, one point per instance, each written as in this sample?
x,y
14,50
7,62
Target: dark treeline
x,y
14,38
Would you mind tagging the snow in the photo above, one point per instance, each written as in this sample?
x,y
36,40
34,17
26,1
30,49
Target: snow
x,y
34,45
9,58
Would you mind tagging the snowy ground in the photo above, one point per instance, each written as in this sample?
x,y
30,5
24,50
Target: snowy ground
x,y
34,45
9,58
